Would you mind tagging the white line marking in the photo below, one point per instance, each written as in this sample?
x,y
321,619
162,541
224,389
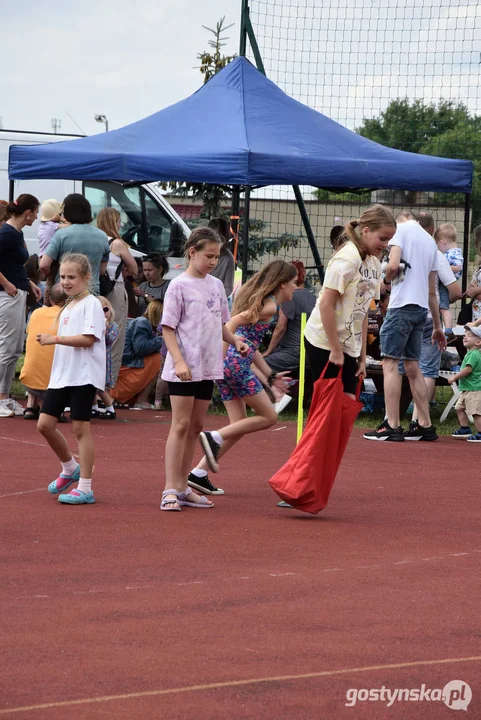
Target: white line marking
x,y
332,569
458,554
367,567
25,442
281,428
281,574
433,558
23,492
138,587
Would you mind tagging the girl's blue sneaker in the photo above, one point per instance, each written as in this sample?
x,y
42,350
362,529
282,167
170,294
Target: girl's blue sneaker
x,y
77,497
462,432
64,481
475,438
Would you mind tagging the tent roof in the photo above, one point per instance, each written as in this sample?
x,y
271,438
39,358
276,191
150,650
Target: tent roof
x,y
240,129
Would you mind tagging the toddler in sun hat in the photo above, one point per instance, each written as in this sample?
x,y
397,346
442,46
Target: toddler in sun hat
x,y
49,223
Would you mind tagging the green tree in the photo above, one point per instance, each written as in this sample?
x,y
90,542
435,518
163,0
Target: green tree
x,y
409,125
446,129
212,62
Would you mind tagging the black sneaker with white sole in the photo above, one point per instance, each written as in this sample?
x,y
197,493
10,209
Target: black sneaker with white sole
x,y
417,432
204,485
211,449
384,432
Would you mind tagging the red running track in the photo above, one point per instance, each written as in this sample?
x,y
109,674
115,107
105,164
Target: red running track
x,y
117,610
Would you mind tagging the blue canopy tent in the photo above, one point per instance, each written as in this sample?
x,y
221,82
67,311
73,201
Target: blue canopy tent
x,y
240,129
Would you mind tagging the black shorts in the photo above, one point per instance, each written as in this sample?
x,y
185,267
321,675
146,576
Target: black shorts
x,y
78,398
201,390
319,358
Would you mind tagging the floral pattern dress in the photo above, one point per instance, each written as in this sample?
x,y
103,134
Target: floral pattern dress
x,y
239,379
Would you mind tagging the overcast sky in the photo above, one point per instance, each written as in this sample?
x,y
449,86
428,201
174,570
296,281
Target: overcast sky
x,y
127,59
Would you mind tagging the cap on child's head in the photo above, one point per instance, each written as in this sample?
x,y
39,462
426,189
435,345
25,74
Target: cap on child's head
x,y
475,330
49,209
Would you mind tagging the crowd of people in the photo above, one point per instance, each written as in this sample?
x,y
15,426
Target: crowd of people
x,y
108,333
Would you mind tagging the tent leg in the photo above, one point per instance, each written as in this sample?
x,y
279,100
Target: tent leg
x,y
310,235
11,191
234,221
464,281
245,233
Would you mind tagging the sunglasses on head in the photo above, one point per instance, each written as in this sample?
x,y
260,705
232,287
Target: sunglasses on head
x,y
152,257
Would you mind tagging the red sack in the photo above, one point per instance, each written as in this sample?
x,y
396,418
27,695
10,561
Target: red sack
x,y
306,480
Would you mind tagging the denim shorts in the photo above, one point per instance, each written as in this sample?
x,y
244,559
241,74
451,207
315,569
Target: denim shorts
x,y
443,297
402,332
430,359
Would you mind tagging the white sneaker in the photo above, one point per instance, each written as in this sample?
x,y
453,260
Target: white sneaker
x,y
282,403
5,410
15,406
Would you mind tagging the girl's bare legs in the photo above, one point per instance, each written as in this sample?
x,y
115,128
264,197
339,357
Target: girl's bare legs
x,y
195,428
47,426
85,444
264,418
236,410
188,415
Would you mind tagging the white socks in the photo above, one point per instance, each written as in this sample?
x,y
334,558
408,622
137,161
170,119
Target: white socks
x,y
85,485
110,408
69,467
217,437
199,473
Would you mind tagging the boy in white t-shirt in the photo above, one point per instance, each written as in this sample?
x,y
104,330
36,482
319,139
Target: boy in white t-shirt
x,y
402,329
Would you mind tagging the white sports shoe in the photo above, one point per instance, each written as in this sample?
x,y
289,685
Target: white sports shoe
x,y
5,410
15,406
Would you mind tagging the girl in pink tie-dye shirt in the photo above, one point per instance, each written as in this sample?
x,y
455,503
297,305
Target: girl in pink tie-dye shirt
x,y
193,328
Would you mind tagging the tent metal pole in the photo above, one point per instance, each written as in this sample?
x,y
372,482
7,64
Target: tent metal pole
x,y
245,231
234,221
243,28
11,191
464,281
310,235
253,42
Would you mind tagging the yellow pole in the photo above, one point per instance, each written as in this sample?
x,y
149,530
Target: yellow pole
x,y
302,378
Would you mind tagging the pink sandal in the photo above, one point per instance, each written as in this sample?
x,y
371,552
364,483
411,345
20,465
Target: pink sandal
x,y
165,502
202,503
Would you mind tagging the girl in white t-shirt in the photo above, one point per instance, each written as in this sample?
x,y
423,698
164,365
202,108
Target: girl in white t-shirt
x,y
336,331
193,327
78,370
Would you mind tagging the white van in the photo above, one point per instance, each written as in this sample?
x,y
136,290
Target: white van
x,y
149,223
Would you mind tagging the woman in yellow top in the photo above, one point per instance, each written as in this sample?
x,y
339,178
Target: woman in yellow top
x,y
336,331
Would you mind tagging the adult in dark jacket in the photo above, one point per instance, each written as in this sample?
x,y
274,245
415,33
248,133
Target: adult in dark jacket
x,y
14,287
140,359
